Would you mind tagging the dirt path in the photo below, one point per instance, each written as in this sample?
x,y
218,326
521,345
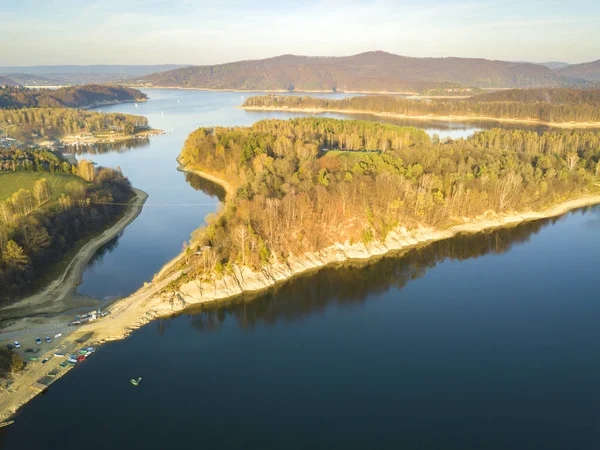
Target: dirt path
x,y
52,297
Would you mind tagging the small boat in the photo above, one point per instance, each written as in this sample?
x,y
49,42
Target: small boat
x,y
60,355
7,423
63,364
136,382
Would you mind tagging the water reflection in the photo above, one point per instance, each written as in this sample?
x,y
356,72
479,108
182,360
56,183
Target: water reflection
x,y
103,251
206,186
353,283
108,147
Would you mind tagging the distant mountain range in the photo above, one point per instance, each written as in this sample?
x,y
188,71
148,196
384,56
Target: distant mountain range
x,y
371,71
71,74
368,72
555,64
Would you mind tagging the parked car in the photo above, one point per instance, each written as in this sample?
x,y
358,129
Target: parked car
x,y
38,341
48,339
17,345
9,346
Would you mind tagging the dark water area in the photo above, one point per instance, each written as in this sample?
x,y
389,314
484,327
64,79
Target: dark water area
x,y
486,341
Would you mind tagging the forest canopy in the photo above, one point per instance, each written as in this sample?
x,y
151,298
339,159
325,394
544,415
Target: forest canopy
x,y
304,184
30,124
547,105
46,206
14,97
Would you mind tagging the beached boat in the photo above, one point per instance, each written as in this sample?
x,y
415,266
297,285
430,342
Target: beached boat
x,y
136,382
7,423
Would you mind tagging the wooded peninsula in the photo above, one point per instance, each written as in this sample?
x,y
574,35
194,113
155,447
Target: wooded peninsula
x,y
14,97
549,106
327,181
43,124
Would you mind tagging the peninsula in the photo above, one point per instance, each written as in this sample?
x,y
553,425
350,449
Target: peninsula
x,y
564,108
305,193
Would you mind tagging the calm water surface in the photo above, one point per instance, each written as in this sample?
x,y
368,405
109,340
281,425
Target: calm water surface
x,y
173,209
479,342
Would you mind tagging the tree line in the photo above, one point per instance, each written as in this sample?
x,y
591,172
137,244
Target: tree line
x,y
295,195
548,105
29,124
39,226
16,97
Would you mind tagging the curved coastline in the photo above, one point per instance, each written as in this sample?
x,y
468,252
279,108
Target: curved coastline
x,y
65,284
568,125
155,300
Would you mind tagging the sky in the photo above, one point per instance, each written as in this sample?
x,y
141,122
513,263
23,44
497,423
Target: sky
x,y
42,32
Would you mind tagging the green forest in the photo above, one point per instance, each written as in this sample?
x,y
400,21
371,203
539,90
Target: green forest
x,y
47,205
15,97
547,105
304,184
32,124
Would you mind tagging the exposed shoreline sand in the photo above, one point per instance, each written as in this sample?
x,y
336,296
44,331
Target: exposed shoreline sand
x,y
151,302
571,125
51,298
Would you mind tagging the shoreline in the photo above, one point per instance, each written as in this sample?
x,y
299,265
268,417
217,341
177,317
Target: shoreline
x,y
569,125
150,302
73,140
61,287
279,91
109,103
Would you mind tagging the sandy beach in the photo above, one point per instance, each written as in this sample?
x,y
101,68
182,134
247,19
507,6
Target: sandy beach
x,y
571,125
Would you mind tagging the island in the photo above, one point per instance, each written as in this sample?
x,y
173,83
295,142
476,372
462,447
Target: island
x,y
558,107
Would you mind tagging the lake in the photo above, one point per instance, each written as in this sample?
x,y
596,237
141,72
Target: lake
x,y
486,341
174,208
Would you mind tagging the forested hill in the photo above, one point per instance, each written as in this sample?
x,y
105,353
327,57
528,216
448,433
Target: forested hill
x,y
586,71
304,184
372,71
544,105
69,97
4,81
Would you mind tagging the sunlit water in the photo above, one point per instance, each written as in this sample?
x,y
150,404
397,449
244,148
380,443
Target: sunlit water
x,y
478,342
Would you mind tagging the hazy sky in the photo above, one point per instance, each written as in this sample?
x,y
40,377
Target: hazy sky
x,y
212,31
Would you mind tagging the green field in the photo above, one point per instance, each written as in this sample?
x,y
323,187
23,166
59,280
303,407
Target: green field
x,y
13,181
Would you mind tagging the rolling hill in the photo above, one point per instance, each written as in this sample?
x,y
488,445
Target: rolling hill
x,y
371,71
587,71
73,74
4,81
